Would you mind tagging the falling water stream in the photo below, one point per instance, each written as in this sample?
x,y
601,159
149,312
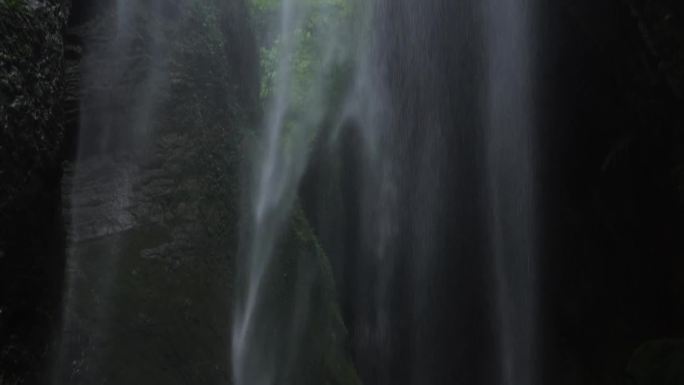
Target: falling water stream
x,y
388,227
510,149
123,78
440,99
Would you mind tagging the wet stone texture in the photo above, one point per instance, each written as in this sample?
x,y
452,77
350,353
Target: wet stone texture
x,y
150,201
149,277
33,88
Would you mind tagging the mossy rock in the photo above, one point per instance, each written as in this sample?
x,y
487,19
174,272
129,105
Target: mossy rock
x,y
297,333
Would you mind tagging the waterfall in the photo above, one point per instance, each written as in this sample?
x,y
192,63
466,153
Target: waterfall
x,y
510,149
294,118
440,203
387,235
123,77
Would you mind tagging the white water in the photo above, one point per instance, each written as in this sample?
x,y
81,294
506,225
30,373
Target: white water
x,y
117,115
510,156
281,160
507,129
407,144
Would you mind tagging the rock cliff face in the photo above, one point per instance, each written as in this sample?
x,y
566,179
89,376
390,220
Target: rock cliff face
x,y
612,188
33,89
166,219
34,93
151,201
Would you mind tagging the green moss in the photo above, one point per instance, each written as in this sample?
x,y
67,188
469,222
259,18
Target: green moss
x,y
304,268
14,5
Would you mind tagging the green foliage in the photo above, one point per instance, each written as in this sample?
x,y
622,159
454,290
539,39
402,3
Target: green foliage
x,y
265,5
270,5
199,115
31,92
302,278
169,302
207,16
317,65
321,17
14,4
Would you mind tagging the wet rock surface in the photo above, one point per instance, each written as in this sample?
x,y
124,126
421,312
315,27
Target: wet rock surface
x,y
150,239
148,278
33,86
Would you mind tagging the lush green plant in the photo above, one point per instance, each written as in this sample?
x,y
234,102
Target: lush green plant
x,y
311,39
318,60
14,4
309,69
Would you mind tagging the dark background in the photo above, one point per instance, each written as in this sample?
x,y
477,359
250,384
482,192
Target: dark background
x,y
611,182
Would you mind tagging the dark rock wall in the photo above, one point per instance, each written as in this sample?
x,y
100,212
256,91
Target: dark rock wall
x,y
34,87
153,206
185,189
610,182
